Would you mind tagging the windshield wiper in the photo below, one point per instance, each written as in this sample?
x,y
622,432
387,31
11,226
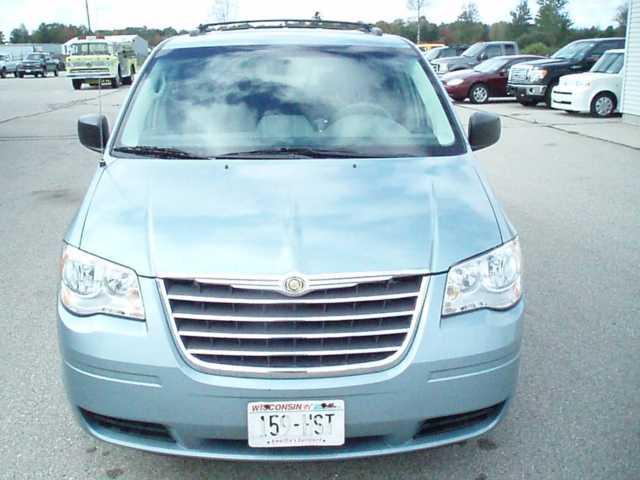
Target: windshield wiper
x,y
160,152
295,152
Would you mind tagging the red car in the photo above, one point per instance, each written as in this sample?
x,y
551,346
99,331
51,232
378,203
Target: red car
x,y
486,80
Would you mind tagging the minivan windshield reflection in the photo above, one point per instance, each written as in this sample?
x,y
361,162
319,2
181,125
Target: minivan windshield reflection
x,y
286,101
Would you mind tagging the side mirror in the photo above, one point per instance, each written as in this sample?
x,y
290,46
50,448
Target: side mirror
x,y
484,130
483,56
93,132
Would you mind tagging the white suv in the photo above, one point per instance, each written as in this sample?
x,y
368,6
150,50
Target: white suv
x,y
597,91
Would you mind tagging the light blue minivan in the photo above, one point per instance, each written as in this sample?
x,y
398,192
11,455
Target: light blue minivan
x,y
288,252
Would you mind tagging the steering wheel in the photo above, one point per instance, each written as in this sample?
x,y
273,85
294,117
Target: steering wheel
x,y
362,108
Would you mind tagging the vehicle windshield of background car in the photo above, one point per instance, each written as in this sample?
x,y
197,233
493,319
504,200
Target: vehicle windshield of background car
x,y
100,48
609,63
435,53
492,65
34,56
214,101
574,51
473,51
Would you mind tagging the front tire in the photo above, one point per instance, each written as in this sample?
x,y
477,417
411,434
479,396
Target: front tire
x,y
603,105
547,95
77,84
479,93
44,72
115,82
55,72
528,103
3,73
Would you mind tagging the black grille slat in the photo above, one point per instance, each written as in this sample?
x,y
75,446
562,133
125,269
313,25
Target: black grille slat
x,y
349,323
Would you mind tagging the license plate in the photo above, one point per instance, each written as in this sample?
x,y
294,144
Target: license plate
x,y
296,424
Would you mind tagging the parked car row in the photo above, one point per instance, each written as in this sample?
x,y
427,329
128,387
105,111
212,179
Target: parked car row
x,y
584,76
38,64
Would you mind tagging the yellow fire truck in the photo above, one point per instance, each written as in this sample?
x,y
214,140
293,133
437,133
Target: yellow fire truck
x,y
95,59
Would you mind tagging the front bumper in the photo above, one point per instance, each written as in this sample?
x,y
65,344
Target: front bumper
x,y
90,74
527,92
459,92
573,100
30,70
132,370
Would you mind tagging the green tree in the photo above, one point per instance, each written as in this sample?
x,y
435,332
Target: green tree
x,y
553,20
468,28
520,19
20,35
499,31
1,37
469,14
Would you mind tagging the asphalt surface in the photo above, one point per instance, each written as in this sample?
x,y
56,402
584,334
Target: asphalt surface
x,y
574,200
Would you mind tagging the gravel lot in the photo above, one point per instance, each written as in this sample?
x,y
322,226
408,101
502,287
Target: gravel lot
x,y
574,200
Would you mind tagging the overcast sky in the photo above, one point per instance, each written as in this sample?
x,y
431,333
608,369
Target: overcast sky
x,y
186,14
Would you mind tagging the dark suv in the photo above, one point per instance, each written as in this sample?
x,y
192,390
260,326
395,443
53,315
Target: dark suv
x,y
532,82
38,64
474,55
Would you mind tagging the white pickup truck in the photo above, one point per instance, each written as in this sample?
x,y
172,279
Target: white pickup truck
x,y
596,91
7,65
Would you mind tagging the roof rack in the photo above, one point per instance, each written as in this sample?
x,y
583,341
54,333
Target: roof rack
x,y
287,23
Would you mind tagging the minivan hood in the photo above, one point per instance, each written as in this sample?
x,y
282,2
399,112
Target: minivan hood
x,y
257,217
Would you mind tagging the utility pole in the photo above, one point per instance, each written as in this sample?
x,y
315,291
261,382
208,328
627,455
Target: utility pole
x,y
86,5
419,12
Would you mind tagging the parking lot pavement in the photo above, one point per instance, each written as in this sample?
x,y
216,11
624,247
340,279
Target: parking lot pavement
x,y
612,130
574,200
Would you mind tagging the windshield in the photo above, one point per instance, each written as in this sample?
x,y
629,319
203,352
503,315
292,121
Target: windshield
x,y
609,63
574,51
492,65
435,53
93,48
474,50
213,101
34,56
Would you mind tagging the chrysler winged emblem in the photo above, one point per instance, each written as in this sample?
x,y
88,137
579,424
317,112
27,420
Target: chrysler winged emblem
x,y
294,286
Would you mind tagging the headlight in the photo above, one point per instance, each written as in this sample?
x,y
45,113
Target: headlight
x,y
455,82
537,74
92,285
490,281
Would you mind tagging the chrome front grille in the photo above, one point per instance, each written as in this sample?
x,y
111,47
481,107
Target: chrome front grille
x,y
518,74
346,324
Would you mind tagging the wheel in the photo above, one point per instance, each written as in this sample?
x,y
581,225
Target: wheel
x,y
3,73
55,72
20,75
547,95
44,72
603,105
77,84
115,82
479,93
528,103
129,80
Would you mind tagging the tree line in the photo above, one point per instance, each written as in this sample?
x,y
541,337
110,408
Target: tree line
x,y
60,33
550,29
